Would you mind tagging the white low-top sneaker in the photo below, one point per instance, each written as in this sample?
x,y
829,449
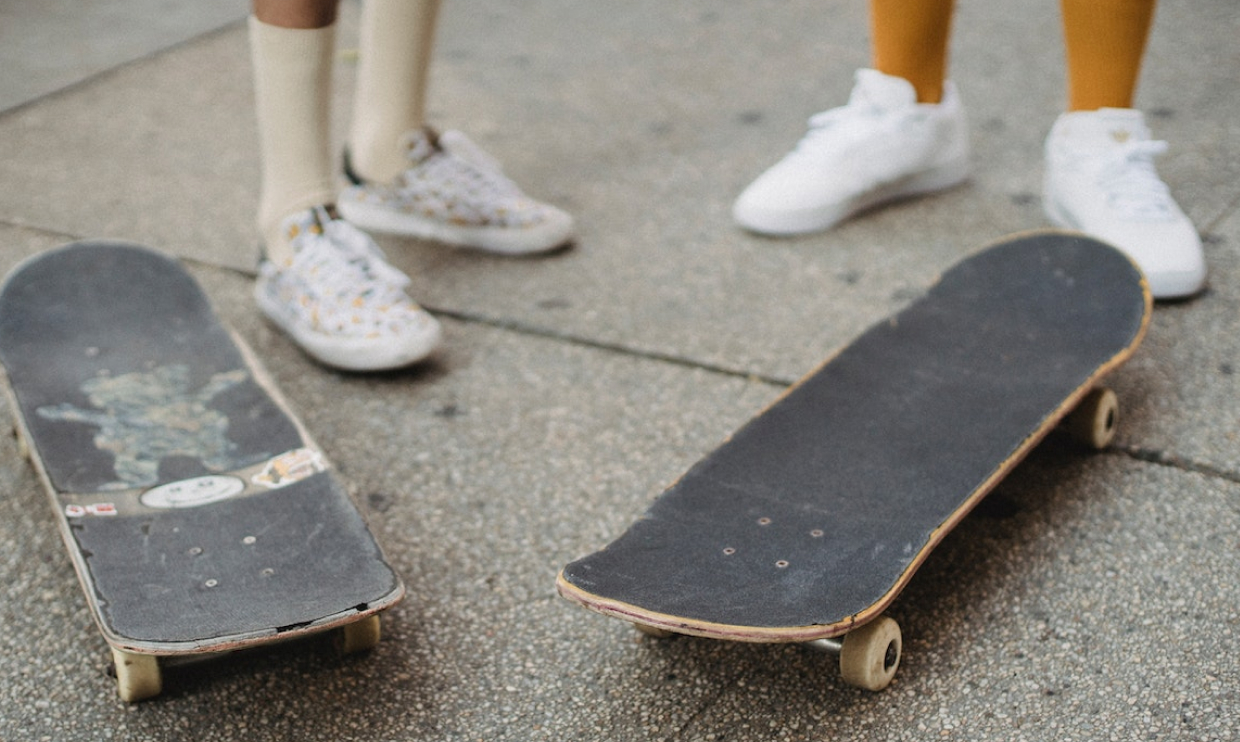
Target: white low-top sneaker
x,y
883,145
340,300
1100,179
456,193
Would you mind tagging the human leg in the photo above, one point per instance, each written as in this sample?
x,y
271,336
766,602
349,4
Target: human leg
x,y
291,45
322,281
408,179
910,40
396,38
902,133
296,13
1105,43
1100,176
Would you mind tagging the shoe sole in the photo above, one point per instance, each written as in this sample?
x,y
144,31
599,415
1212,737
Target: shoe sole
x,y
1165,285
353,355
784,223
506,241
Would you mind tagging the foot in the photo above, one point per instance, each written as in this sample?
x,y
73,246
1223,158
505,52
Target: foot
x,y
1100,179
340,300
882,146
454,192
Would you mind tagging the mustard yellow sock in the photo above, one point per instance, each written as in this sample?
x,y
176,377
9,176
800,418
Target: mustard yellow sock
x,y
909,39
1105,42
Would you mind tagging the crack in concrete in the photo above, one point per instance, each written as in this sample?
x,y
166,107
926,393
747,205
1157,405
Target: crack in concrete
x,y
618,348
1172,461
1136,452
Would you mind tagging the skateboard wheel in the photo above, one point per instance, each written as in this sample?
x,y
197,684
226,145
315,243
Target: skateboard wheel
x,y
870,654
1093,421
137,675
359,636
653,631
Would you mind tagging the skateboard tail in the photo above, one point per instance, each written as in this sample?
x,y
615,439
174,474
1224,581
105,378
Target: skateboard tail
x,y
678,625
254,639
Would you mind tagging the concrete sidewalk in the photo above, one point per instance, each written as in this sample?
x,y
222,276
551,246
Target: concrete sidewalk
x,y
1091,597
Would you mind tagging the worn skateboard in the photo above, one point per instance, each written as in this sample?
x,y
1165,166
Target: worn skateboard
x,y
200,516
807,523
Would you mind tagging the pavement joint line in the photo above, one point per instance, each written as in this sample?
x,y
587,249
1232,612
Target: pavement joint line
x,y
1162,458
18,224
1231,208
105,72
707,703
535,331
1138,453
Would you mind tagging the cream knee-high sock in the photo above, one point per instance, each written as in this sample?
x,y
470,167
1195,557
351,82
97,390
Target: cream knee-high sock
x,y
292,90
396,40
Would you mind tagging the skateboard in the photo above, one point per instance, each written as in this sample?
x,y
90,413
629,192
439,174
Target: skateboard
x,y
200,516
805,525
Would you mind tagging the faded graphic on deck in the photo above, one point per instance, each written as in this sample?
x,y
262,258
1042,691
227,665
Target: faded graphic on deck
x,y
145,417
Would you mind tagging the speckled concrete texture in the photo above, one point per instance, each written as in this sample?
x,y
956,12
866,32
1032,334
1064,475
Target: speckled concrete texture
x,y
1090,597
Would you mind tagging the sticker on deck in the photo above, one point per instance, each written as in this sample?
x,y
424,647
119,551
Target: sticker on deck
x,y
192,493
291,467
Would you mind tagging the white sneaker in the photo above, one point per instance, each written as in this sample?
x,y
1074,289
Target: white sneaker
x,y
1100,179
454,192
340,300
882,146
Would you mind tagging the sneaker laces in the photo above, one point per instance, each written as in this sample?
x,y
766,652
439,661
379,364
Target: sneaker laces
x,y
870,99
457,143
454,177
456,159
372,271
848,118
1126,173
345,282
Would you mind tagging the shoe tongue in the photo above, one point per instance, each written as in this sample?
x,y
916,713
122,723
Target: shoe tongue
x,y
301,221
420,144
1110,126
883,92
313,220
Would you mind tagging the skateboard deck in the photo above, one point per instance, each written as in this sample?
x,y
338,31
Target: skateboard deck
x,y
807,523
199,514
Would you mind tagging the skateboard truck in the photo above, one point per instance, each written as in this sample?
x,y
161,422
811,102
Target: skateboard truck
x,y
140,676
869,655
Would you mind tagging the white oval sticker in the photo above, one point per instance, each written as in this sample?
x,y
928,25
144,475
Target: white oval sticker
x,y
191,493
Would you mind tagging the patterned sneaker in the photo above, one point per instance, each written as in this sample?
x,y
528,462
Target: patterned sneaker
x,y
1100,179
882,146
340,301
454,192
